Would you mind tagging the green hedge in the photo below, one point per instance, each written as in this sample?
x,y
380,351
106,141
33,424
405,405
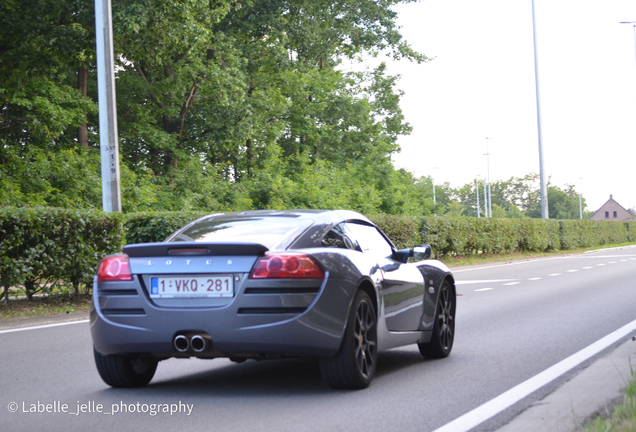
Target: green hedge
x,y
44,247
466,236
150,227
404,231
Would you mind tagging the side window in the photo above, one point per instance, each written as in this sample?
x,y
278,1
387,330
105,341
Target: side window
x,y
340,237
370,240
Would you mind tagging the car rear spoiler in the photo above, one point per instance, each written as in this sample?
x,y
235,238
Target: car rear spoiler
x,y
193,249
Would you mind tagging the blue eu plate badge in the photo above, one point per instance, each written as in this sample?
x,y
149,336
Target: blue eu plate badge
x,y
154,286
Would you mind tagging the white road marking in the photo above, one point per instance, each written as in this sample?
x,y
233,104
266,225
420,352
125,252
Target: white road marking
x,y
505,400
535,278
571,271
512,283
19,329
588,267
600,265
467,282
555,274
484,289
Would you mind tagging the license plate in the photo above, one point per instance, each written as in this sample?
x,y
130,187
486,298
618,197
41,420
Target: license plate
x,y
192,286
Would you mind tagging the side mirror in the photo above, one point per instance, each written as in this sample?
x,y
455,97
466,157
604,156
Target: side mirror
x,y
422,252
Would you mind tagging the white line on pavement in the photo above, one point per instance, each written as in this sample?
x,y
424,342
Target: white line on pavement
x,y
466,282
505,400
19,329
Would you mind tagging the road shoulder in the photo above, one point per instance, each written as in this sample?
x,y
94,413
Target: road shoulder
x,y
594,390
42,320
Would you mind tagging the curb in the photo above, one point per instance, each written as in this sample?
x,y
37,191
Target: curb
x,y
593,391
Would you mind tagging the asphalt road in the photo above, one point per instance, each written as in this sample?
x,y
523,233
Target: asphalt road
x,y
513,321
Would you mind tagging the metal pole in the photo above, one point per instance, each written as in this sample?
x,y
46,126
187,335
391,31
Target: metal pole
x,y
109,149
434,200
544,189
580,203
485,200
477,191
489,198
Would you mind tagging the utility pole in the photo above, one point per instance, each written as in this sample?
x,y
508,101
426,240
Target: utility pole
x,y
477,191
488,198
544,189
108,140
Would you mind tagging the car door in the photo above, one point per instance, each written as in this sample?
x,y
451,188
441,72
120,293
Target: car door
x,y
402,285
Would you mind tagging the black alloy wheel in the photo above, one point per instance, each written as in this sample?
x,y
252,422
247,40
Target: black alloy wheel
x,y
353,367
441,342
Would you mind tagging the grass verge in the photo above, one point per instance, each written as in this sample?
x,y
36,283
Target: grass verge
x,y
51,304
513,256
623,416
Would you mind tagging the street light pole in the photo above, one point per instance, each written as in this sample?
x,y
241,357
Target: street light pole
x,y
489,197
108,141
477,192
544,189
485,200
580,203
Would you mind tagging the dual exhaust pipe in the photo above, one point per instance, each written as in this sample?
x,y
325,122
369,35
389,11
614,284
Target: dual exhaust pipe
x,y
196,342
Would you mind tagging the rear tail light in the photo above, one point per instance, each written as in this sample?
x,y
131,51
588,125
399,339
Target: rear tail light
x,y
286,266
114,268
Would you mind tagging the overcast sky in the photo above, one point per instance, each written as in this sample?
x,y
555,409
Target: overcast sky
x,y
480,83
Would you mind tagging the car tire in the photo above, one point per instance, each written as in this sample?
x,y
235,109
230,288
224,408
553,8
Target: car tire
x,y
120,370
353,367
441,342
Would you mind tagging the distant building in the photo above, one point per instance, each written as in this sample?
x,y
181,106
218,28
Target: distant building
x,y
612,210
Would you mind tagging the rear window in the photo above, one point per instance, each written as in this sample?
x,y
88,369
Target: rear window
x,y
268,231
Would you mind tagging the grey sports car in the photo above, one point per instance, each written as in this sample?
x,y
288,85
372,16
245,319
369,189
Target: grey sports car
x,y
270,284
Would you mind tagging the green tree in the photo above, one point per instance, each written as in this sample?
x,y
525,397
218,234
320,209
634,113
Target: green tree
x,y
564,203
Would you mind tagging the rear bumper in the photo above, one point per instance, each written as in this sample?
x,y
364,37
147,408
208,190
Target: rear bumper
x,y
256,322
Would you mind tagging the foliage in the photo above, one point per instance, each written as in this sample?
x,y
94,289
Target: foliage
x,y
402,230
155,226
42,247
466,236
